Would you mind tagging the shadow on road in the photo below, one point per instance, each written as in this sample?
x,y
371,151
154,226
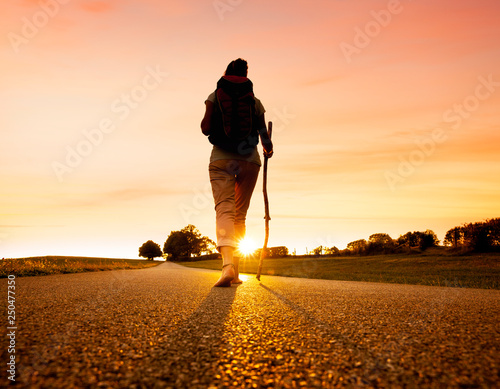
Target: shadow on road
x,y
189,356
326,330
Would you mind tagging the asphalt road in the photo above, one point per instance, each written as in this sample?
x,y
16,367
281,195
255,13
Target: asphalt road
x,y
166,327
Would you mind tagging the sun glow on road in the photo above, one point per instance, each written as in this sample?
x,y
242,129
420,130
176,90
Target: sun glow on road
x,y
247,247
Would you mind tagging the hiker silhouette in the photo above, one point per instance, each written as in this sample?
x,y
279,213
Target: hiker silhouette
x,y
234,122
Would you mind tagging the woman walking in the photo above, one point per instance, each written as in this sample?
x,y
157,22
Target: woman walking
x,y
234,122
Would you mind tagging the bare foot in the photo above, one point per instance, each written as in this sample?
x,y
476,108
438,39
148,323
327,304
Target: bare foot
x,y
226,277
236,281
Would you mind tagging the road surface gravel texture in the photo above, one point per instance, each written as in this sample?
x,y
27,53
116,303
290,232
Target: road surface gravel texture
x,y
166,327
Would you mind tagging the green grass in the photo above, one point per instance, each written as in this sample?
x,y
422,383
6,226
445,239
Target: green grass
x,y
35,266
470,271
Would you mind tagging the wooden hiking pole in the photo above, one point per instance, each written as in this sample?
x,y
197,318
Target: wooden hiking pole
x,y
266,207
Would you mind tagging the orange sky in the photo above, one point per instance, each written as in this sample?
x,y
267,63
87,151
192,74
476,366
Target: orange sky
x,y
385,112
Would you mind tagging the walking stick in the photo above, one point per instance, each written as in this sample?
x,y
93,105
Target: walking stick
x,y
266,207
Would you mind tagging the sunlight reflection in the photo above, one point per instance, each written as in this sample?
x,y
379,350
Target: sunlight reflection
x,y
247,247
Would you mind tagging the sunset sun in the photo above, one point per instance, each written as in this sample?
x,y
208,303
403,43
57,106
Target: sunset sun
x,y
247,246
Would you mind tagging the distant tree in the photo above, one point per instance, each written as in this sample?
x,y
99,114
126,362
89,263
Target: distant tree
x,y
187,242
208,246
318,250
322,250
332,251
410,239
454,237
279,251
177,245
383,239
428,239
422,240
494,232
482,236
195,239
357,246
273,252
380,244
150,250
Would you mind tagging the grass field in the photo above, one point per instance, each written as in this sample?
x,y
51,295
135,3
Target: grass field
x,y
470,271
35,266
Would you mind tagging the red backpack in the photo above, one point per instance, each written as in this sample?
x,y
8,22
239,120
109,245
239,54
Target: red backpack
x,y
234,122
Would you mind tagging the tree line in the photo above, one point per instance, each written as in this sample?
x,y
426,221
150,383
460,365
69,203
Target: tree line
x,y
479,237
475,237
472,237
381,243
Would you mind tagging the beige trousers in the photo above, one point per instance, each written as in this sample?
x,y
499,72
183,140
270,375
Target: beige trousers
x,y
233,182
